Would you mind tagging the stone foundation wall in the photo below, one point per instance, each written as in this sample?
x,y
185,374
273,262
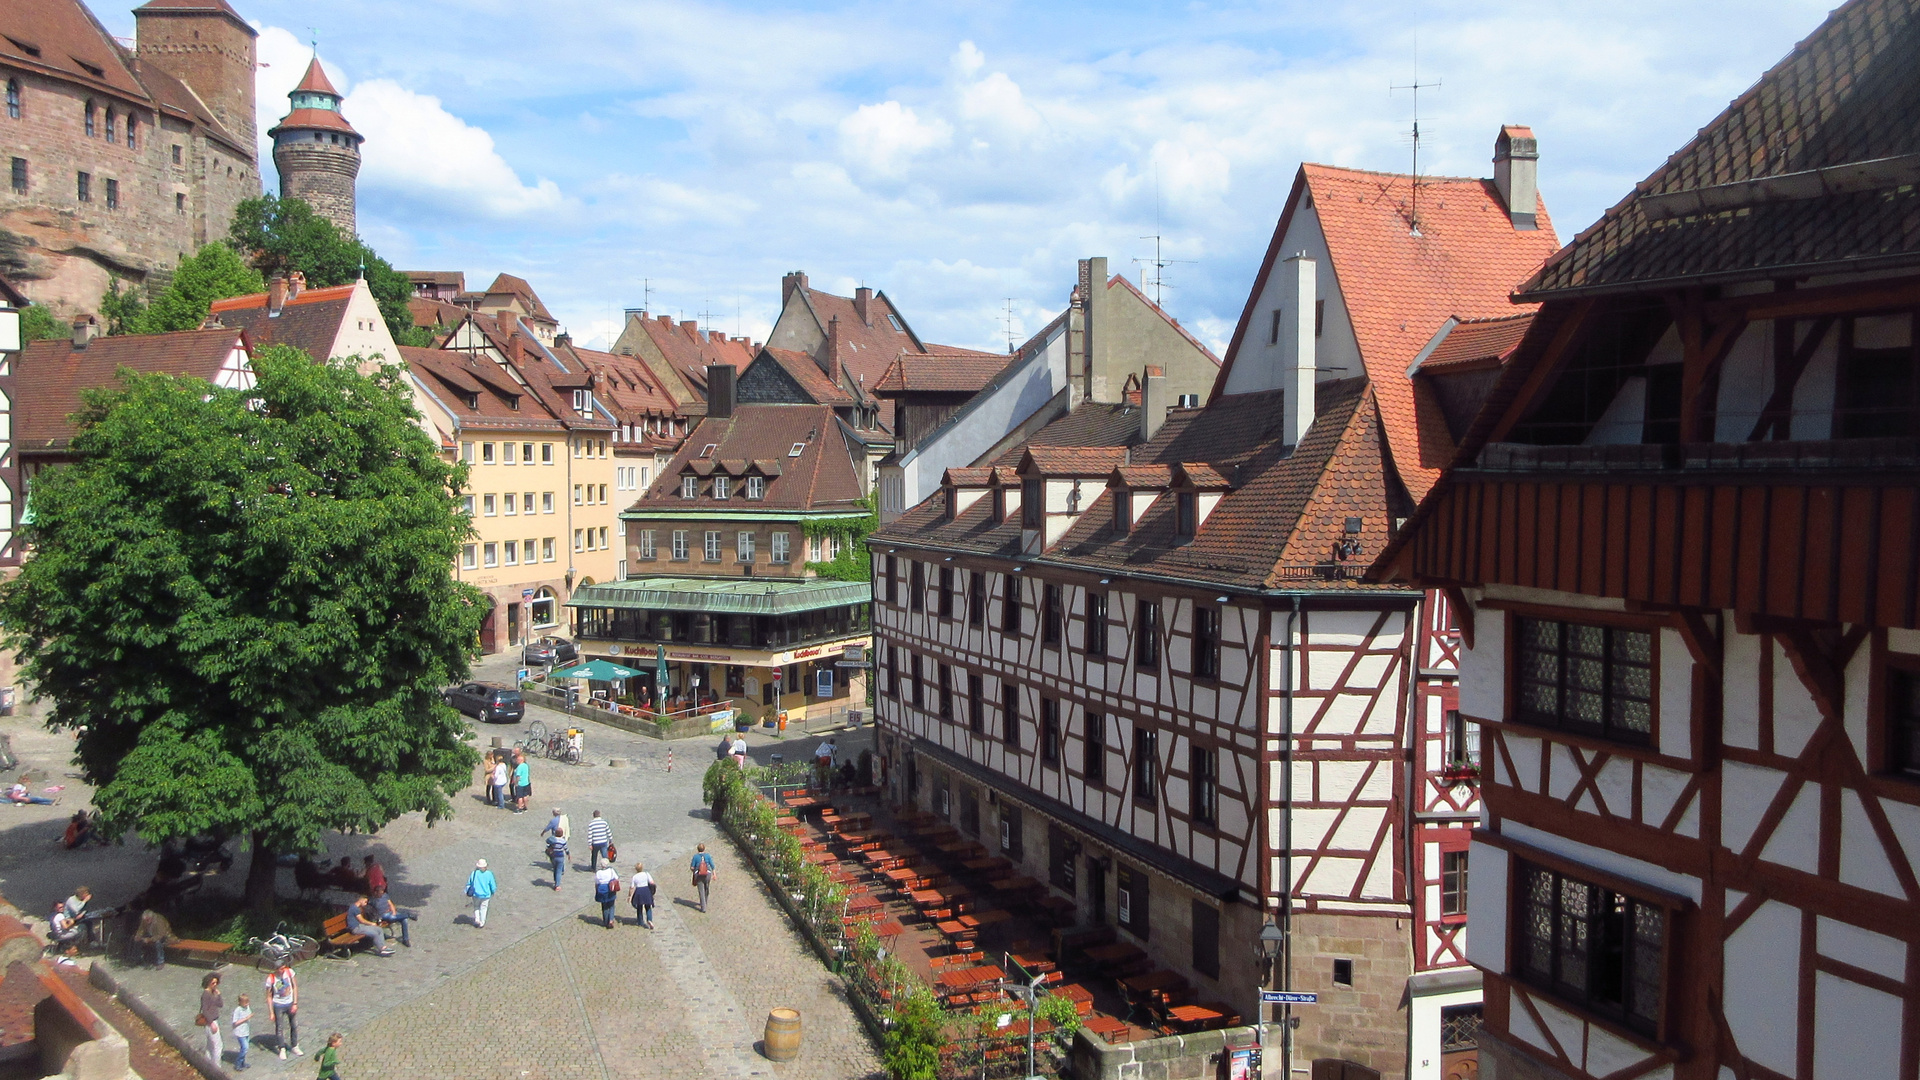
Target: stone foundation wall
x,y
1367,1021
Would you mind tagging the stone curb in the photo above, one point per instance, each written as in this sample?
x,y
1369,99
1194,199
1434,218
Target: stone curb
x,y
103,980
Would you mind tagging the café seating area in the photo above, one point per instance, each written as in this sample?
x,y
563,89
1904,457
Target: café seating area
x,y
970,923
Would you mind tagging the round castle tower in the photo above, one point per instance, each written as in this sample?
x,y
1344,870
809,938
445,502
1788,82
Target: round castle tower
x,y
317,152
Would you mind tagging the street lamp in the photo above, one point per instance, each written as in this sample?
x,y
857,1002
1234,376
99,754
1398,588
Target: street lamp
x,y
1268,947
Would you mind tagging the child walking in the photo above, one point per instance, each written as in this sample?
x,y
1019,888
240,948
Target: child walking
x,y
242,1031
330,1058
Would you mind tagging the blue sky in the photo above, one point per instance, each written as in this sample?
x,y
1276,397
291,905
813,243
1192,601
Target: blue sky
x,y
958,156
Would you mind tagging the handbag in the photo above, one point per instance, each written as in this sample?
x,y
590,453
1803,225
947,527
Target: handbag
x,y
612,852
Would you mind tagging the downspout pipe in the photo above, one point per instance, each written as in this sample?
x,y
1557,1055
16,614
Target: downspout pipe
x,y
1286,836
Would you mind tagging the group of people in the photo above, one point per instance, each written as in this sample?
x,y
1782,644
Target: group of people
x,y
73,923
642,887
509,779
283,996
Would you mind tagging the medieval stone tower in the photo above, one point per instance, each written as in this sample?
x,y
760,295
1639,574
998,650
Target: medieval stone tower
x,y
208,46
317,152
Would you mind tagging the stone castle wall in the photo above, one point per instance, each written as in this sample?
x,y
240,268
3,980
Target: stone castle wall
x,y
321,173
215,56
1366,1022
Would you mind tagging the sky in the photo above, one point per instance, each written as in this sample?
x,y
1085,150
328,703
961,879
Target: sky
x,y
683,155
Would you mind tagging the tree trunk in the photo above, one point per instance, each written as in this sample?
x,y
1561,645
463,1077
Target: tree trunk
x,y
263,875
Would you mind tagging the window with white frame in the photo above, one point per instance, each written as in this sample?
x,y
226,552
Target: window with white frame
x,y
510,503
507,453
646,543
712,546
603,537
526,503
526,453
466,453
679,545
487,505
623,569
490,554
469,556
466,505
546,502
756,487
546,453
528,556
579,539
778,548
816,548
744,546
547,549
579,497
512,553
486,453
689,487
722,487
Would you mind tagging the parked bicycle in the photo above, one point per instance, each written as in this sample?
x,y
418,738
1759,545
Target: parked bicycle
x,y
282,947
566,745
536,740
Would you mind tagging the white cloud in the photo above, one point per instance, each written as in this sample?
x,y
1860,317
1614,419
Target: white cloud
x,y
883,139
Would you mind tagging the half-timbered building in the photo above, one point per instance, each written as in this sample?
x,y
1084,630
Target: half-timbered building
x,y
1682,541
1145,667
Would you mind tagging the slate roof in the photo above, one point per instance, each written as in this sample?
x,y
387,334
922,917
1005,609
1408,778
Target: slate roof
x,y
1090,423
822,477
477,392
51,375
1399,287
801,368
1275,527
939,373
309,322
1848,93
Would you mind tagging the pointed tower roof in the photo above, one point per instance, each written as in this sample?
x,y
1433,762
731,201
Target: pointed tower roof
x,y
315,80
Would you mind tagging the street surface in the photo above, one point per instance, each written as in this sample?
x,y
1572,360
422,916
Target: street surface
x,y
544,992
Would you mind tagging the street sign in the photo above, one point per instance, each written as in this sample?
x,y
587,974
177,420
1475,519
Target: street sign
x,y
520,675
1285,997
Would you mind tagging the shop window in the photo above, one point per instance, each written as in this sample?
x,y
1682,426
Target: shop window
x,y
1595,680
545,609
1591,946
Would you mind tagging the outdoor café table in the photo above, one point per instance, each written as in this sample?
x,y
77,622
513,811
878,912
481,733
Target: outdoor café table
x,y
952,845
1081,997
933,898
901,876
1193,1016
850,822
888,929
961,979
1117,953
1106,1027
821,858
803,804
987,917
1014,885
1034,962
1153,982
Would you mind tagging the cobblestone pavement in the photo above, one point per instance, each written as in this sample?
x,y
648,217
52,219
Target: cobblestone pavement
x,y
544,992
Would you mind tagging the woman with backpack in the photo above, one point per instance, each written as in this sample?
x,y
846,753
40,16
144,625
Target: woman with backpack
x,y
606,889
702,867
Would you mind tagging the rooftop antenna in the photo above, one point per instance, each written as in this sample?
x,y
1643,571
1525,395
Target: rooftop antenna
x,y
706,318
1159,266
1413,213
1009,326
646,294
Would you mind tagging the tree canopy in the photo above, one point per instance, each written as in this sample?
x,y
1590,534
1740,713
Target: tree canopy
x,y
241,601
215,272
279,236
37,323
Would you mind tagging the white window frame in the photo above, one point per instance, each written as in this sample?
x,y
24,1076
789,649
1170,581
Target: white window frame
x,y
511,556
603,538
722,487
579,539
466,505
743,546
466,453
710,546
546,549
646,543
756,487
486,453
680,545
470,557
546,453
690,487
487,506
780,548
509,504
507,453
490,555
546,502
526,502
529,556
577,497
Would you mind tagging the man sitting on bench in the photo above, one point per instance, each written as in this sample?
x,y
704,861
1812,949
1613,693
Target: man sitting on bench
x,y
361,919
383,908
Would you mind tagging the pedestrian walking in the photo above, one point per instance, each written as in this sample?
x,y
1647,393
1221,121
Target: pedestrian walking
x,y
702,874
376,876
642,896
600,838
606,889
740,750
242,1032
283,995
557,852
499,791
557,823
211,1005
329,1059
481,886
522,782
823,764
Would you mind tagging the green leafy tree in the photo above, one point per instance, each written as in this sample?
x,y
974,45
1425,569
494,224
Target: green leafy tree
x,y
279,236
911,1050
215,272
38,324
241,603
121,309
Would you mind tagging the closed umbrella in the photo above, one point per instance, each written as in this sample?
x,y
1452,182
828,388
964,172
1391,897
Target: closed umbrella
x,y
660,679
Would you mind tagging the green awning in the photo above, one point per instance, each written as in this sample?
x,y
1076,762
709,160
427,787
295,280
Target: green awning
x,y
597,671
730,596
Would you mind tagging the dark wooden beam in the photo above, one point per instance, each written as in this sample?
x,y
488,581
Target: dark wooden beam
x,y
1552,358
1462,612
1867,297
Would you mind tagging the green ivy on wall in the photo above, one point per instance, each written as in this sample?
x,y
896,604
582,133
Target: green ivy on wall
x,y
853,563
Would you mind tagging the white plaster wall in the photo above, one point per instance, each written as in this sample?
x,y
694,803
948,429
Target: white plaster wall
x,y
1762,970
1659,877
1746,381
1856,1030
1676,695
1740,688
986,419
1423,1030
1257,364
1483,667
1625,417
1487,906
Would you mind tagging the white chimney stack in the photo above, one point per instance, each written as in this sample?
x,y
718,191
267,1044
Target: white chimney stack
x,y
1516,172
1296,347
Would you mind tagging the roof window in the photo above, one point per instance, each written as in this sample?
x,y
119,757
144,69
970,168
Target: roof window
x,y
798,449
895,320
710,448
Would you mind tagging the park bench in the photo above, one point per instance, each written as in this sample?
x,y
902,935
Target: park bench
x,y
200,953
338,941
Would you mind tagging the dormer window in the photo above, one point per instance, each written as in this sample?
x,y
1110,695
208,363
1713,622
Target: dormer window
x,y
1033,492
722,487
689,487
756,487
1186,514
999,506
1122,511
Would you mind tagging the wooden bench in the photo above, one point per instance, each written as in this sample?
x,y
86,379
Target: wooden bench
x,y
338,941
200,953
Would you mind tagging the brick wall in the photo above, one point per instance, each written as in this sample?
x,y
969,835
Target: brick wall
x,y
1367,1021
65,251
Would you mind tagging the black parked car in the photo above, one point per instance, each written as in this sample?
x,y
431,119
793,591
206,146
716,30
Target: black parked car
x,y
550,650
486,702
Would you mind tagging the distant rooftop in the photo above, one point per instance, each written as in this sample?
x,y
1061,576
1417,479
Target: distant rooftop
x,y
739,596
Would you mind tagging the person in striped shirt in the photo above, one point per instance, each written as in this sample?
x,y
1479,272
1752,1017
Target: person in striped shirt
x,y
600,838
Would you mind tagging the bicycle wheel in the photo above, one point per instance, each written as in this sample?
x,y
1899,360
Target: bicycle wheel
x,y
572,756
537,732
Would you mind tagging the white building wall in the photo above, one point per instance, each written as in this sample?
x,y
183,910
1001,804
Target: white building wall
x,y
1256,365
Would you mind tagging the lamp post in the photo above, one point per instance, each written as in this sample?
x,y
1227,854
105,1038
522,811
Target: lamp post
x,y
1268,946
1031,992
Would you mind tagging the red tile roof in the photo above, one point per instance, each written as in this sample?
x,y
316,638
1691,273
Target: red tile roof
x,y
821,477
801,368
315,80
508,285
51,375
1475,341
323,119
1399,287
478,393
688,350
939,373
1071,460
309,322
968,477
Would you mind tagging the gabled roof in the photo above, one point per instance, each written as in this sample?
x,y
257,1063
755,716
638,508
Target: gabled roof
x,y
939,373
1757,193
1275,525
508,285
1090,423
51,375
687,350
623,383
309,322
821,477
801,368
1399,287
478,393
1071,461
1472,342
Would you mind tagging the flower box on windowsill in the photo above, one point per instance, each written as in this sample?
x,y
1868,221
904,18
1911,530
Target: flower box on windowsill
x,y
1461,772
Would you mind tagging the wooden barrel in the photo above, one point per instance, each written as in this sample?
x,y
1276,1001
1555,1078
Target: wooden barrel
x,y
783,1035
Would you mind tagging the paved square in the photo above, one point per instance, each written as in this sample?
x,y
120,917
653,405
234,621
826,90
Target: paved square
x,y
544,992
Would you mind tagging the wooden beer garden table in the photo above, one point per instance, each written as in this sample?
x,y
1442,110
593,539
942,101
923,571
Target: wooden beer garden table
x,y
901,876
939,898
1154,984
1194,1017
986,918
1106,1027
962,979
1034,962
821,858
1114,955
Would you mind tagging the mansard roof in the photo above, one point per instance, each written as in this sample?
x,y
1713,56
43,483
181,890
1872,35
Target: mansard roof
x,y
821,477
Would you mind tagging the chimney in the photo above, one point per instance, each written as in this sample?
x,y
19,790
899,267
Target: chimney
x,y
296,281
1296,347
1153,402
276,295
1516,172
790,282
862,303
562,340
720,391
830,356
692,327
85,329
